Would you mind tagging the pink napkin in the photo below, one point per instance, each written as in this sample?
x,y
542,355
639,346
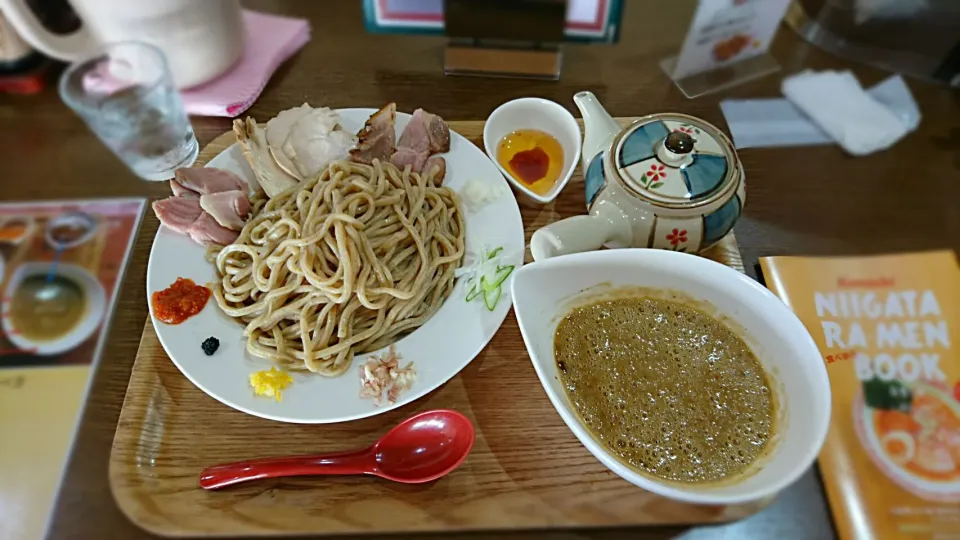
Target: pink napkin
x,y
270,40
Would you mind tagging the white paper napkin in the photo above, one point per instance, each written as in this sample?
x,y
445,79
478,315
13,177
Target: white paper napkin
x,y
775,122
837,103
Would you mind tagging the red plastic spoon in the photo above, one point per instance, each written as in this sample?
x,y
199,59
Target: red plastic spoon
x,y
420,449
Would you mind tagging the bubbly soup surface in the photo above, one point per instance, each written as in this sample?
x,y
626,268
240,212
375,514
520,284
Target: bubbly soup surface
x,y
672,391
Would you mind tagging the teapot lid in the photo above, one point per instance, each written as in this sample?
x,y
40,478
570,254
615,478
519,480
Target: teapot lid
x,y
676,160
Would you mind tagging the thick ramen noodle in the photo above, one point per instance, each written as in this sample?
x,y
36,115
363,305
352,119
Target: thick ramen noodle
x,y
341,264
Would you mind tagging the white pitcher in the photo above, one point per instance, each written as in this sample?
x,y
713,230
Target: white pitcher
x,y
200,38
667,181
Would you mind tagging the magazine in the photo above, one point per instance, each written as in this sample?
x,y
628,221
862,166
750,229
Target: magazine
x,y
886,327
61,264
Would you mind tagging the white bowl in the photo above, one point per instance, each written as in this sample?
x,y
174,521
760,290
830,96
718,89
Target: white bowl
x,y
543,293
535,113
96,298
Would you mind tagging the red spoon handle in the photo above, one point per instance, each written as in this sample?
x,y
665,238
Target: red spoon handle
x,y
354,462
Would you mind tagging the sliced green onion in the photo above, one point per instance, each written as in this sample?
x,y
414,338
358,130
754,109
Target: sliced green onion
x,y
487,278
490,298
497,279
473,292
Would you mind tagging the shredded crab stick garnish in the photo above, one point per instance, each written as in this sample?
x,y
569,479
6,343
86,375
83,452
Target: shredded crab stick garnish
x,y
384,374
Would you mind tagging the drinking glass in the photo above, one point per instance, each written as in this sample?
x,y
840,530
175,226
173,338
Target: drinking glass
x,y
126,95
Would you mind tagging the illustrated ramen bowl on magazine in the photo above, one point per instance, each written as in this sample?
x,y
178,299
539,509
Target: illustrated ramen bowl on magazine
x,y
544,293
916,441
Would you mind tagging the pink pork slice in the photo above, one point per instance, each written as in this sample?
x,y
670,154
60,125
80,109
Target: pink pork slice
x,y
407,156
204,180
185,216
436,161
425,132
415,136
206,231
180,191
229,208
178,213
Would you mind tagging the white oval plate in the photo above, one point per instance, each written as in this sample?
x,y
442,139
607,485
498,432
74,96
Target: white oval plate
x,y
439,349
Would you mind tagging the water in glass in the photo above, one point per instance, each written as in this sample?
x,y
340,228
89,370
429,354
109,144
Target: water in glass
x,y
126,96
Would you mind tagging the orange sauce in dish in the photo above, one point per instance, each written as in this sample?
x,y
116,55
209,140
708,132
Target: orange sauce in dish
x,y
179,301
12,231
532,157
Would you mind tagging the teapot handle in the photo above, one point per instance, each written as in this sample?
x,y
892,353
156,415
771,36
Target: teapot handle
x,y
70,47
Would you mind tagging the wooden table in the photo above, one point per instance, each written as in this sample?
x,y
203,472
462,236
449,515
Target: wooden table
x,y
802,201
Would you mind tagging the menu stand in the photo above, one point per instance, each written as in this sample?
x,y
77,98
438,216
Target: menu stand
x,y
727,44
504,38
708,82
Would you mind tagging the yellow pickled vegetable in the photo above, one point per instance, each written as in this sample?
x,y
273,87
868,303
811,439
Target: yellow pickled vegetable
x,y
270,383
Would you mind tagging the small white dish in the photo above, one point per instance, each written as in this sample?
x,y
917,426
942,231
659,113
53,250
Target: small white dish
x,y
545,291
96,307
535,113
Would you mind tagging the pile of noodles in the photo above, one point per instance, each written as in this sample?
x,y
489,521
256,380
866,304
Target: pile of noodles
x,y
341,264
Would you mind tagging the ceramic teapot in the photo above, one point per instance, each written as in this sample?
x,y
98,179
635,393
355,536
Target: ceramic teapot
x,y
667,181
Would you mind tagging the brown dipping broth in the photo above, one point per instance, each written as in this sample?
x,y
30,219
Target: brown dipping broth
x,y
45,311
669,390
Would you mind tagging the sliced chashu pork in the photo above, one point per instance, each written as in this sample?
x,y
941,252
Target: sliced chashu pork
x,y
425,132
440,164
278,129
206,231
177,213
229,208
404,157
377,138
420,162
304,140
200,180
316,140
185,216
180,191
437,130
253,141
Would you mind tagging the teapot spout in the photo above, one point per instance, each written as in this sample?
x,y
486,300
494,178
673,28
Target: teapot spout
x,y
572,235
606,225
599,128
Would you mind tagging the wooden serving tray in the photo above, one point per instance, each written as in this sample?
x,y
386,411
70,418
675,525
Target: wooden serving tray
x,y
527,470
